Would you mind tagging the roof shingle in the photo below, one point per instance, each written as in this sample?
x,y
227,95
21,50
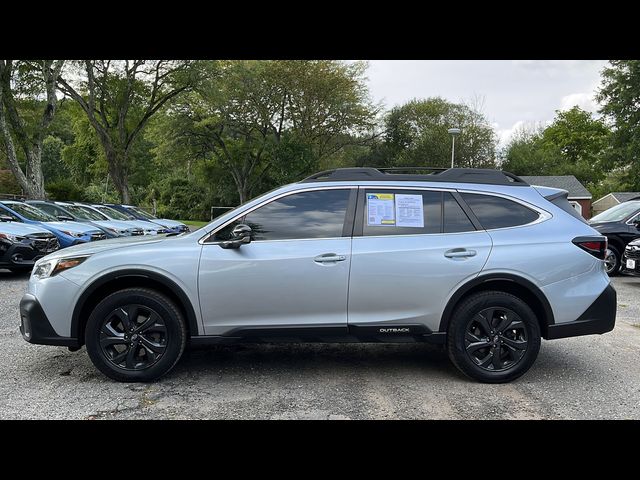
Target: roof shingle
x,y
565,182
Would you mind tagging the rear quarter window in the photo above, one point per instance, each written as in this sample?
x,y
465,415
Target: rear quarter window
x,y
498,212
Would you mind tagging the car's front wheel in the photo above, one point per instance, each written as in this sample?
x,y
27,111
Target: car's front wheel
x,y
493,337
135,335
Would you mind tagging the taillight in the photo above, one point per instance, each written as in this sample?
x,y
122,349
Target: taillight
x,y
596,246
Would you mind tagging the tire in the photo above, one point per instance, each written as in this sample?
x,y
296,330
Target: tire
x,y
141,354
518,344
616,259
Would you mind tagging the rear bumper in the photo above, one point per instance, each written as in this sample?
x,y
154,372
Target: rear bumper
x,y
35,326
599,318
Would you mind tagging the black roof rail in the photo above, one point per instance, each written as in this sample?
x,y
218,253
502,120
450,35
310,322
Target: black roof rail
x,y
452,175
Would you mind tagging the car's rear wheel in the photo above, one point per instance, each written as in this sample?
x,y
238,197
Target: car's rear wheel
x,y
135,335
493,337
612,261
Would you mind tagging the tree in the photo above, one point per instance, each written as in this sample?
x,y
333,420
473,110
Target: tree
x,y
257,118
619,96
119,98
19,80
575,143
416,134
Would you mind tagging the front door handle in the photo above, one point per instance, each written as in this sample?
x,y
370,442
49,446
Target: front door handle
x,y
329,257
460,253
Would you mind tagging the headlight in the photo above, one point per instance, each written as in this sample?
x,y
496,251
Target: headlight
x,y
117,232
73,234
11,238
49,268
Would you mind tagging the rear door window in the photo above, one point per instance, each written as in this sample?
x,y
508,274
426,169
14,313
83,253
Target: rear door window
x,y
455,220
401,212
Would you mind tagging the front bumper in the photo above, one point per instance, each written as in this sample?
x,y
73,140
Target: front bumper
x,y
19,255
630,256
35,326
599,318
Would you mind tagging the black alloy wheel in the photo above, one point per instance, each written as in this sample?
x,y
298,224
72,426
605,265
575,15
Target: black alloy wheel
x,y
496,339
133,337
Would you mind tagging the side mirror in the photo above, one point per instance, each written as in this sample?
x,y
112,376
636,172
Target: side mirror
x,y
240,235
637,224
5,218
65,217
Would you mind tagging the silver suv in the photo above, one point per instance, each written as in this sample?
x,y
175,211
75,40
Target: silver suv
x,y
476,260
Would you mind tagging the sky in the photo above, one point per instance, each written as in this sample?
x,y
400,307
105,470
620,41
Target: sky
x,y
514,93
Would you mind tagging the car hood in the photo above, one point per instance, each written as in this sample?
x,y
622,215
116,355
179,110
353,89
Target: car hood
x,y
169,223
92,248
142,224
607,227
18,228
117,224
74,227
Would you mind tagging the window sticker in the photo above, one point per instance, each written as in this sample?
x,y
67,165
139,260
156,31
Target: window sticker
x,y
409,211
380,209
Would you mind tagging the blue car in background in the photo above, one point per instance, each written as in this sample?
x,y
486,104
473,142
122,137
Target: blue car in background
x,y
68,211
68,233
110,214
141,214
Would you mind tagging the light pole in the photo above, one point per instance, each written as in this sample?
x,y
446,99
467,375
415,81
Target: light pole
x,y
453,132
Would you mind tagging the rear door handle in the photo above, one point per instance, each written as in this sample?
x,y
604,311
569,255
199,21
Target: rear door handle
x,y
460,253
329,257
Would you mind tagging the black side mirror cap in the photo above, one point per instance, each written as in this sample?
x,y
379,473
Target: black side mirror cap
x,y
240,235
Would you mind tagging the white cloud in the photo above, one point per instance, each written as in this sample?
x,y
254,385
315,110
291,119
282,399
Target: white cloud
x,y
505,134
583,100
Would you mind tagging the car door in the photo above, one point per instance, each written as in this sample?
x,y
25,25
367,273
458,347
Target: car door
x,y
293,275
411,249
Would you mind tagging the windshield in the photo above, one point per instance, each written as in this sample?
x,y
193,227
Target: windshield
x,y
84,213
142,213
31,213
617,213
91,211
114,214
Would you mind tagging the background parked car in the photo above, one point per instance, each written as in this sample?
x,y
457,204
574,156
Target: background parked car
x,y
631,258
141,214
68,233
621,225
109,213
22,244
68,211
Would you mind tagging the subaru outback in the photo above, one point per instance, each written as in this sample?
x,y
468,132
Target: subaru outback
x,y
475,260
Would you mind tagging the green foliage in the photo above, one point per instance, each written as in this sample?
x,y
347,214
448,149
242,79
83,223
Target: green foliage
x,y
620,100
53,168
65,190
8,183
575,143
416,135
181,198
268,122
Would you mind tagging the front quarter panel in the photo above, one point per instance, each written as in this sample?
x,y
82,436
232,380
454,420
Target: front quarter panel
x,y
174,259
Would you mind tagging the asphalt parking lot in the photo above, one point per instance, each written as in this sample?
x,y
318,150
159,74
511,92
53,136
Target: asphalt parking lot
x,y
594,377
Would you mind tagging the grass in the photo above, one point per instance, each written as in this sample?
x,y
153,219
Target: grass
x,y
194,223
